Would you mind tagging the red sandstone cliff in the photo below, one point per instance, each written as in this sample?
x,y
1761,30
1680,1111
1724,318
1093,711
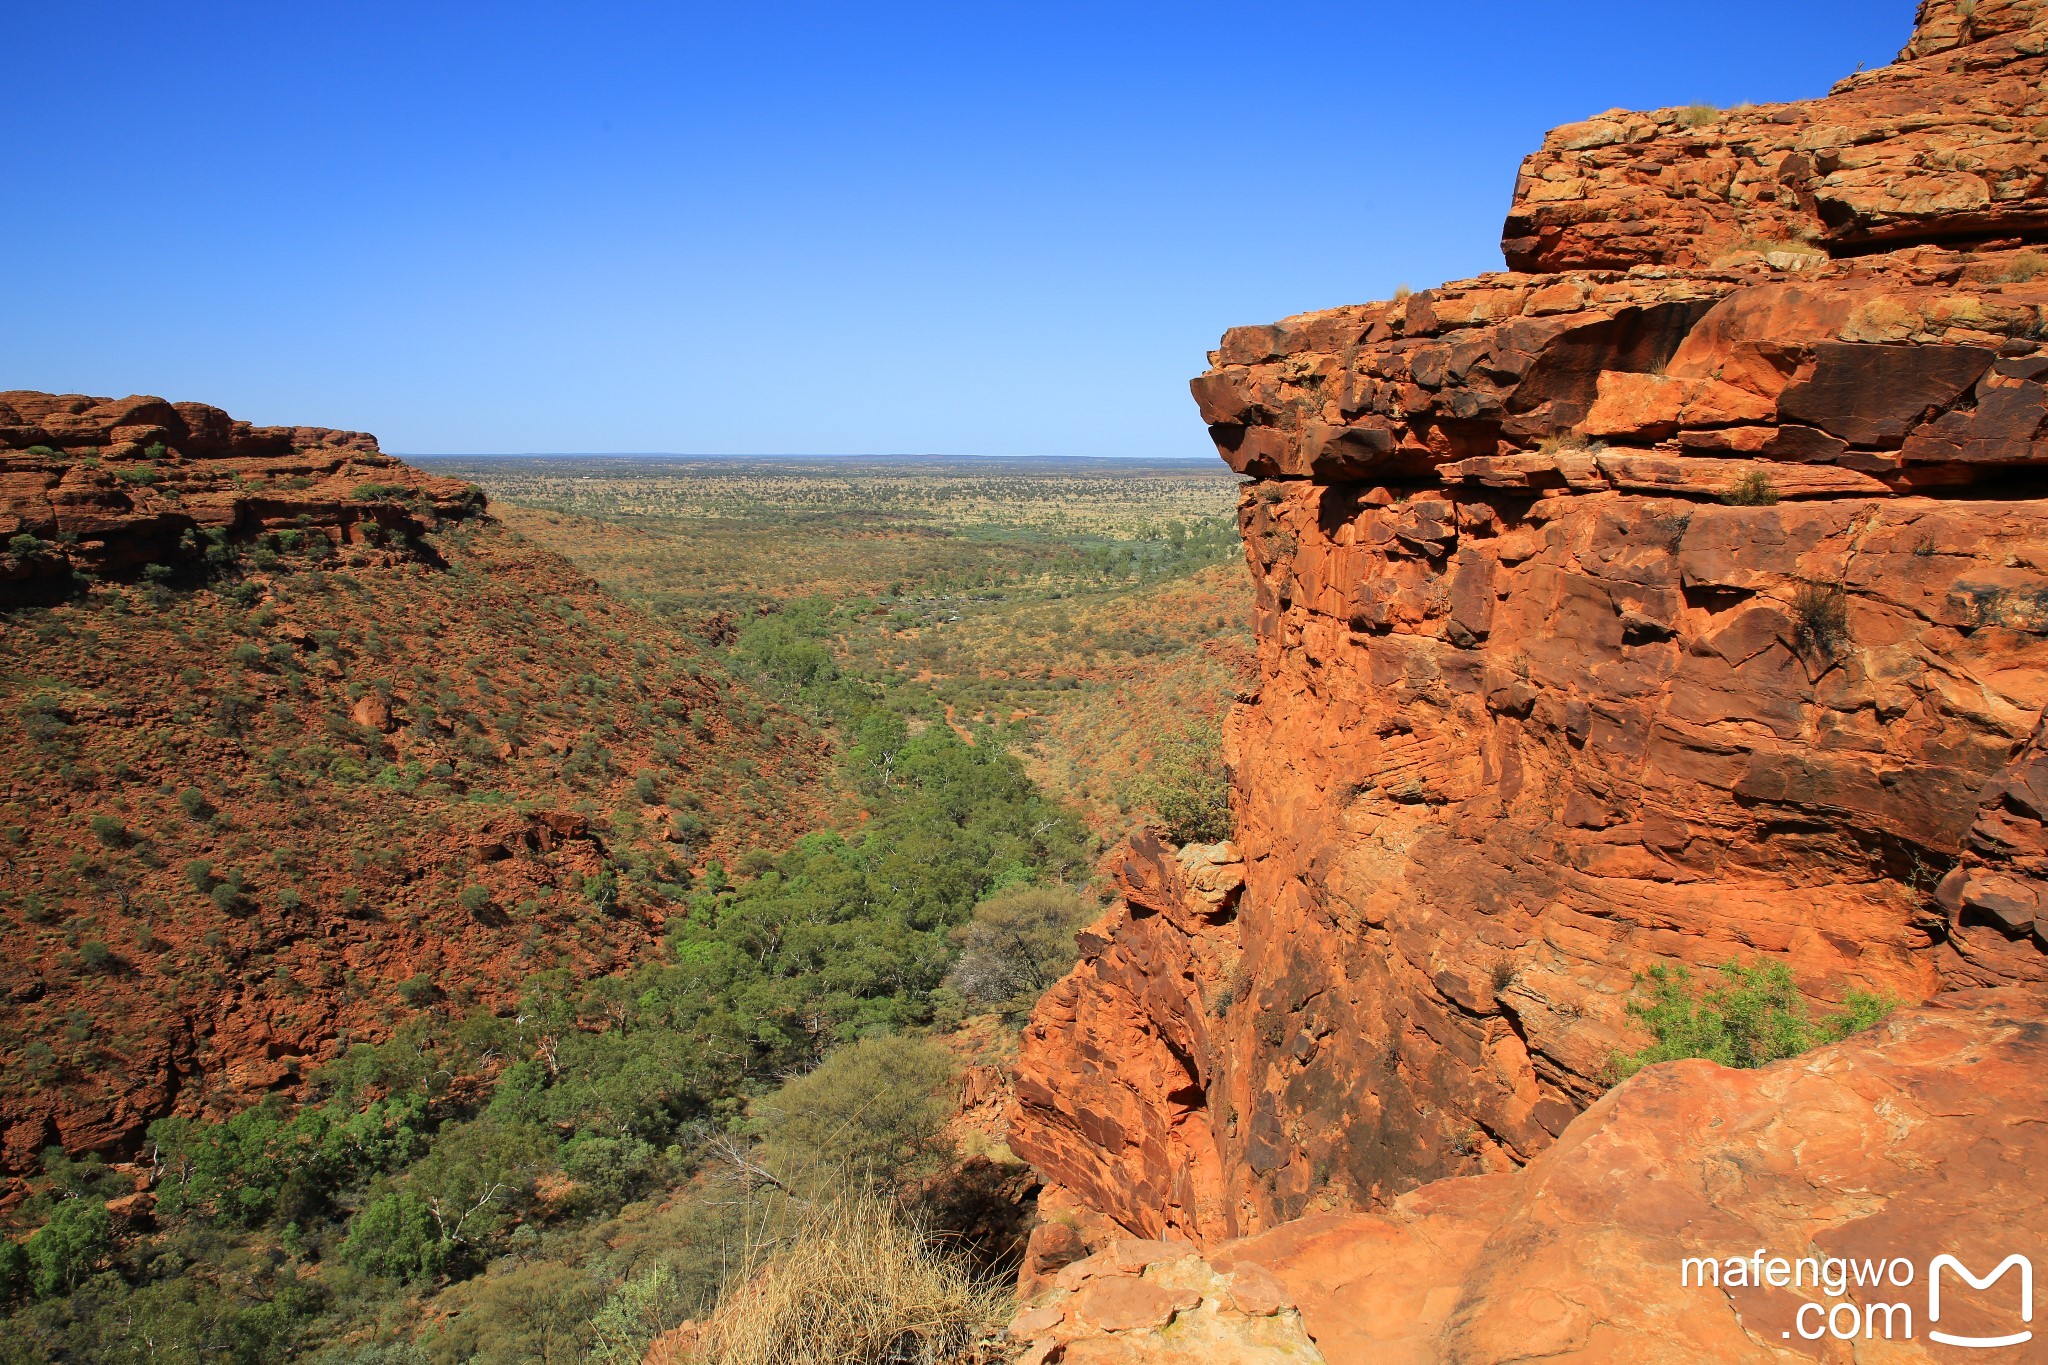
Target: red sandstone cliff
x,y
109,485
1680,595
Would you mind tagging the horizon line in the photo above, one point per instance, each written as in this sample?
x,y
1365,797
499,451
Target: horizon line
x,y
771,455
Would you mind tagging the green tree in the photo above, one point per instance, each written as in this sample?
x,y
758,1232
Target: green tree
x,y
397,1236
72,1245
601,889
1188,787
16,1276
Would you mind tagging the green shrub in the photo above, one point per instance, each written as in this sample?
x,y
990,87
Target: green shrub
x,y
417,990
475,899
1188,787
194,803
1755,1016
199,875
95,955
24,545
687,829
1753,489
609,1170
873,1114
109,831
43,721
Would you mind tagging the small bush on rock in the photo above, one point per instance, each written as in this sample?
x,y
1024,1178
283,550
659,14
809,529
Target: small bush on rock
x,y
1189,788
1753,489
1755,1016
1820,618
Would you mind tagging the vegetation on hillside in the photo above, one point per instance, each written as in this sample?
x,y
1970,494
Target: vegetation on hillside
x,y
1078,611
317,795
741,1116
500,1140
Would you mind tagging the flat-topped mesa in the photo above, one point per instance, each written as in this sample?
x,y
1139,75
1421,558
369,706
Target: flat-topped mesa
x,y
111,485
1686,613
1945,145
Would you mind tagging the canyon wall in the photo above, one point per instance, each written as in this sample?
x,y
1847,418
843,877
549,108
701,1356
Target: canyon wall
x,y
1678,596
109,485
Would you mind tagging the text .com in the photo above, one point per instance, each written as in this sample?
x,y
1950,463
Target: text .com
x,y
1847,1306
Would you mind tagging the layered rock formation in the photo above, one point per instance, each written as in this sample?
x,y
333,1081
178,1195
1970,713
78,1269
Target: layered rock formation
x,y
110,485
1913,1141
1941,146
1686,612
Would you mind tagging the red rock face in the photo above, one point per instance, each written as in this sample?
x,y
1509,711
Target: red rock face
x,y
109,485
1941,146
1606,618
1911,1142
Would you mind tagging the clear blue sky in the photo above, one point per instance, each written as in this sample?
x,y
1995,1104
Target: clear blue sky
x,y
763,227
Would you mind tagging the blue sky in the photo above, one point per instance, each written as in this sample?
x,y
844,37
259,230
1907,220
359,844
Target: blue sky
x,y
760,227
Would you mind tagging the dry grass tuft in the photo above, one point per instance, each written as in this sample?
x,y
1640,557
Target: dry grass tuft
x,y
1570,443
853,1283
2024,268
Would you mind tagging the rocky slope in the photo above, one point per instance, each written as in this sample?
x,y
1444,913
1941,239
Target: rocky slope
x,y
110,486
1680,595
1892,1145
301,745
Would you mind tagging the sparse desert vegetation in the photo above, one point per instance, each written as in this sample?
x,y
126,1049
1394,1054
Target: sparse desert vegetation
x,y
1078,611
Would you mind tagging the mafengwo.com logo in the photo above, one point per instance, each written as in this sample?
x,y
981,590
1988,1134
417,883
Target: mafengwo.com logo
x,y
1895,1298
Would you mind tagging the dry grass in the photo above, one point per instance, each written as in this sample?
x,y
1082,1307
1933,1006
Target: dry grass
x,y
2024,268
1570,443
853,1283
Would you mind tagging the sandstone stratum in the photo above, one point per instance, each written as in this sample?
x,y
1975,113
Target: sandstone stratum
x,y
1679,595
302,748
110,485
